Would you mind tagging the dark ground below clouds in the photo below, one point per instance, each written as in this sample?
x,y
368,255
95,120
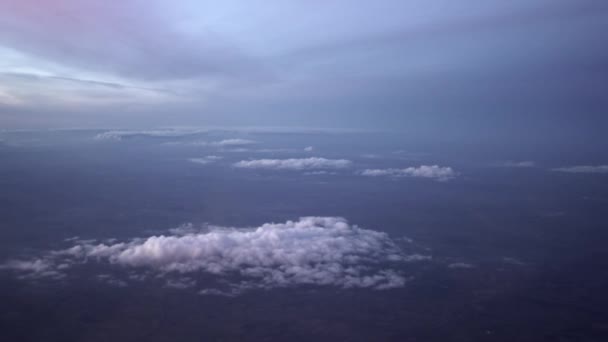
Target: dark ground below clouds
x,y
458,305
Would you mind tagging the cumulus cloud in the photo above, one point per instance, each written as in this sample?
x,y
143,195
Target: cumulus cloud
x,y
310,251
423,171
308,149
205,160
311,163
583,169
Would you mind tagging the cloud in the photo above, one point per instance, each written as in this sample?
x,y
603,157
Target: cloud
x,y
308,149
205,160
311,163
34,269
233,142
117,39
583,169
319,173
423,171
310,251
118,135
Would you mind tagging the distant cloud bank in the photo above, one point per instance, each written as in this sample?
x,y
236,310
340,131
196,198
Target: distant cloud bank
x,y
310,251
583,169
423,171
311,163
118,135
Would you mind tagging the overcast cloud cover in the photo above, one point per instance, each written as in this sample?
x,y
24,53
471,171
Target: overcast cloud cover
x,y
432,69
309,251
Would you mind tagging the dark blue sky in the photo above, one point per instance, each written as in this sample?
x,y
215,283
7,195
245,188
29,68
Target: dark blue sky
x,y
428,68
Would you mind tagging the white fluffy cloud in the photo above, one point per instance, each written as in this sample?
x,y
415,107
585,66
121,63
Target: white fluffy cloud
x,y
424,171
311,163
310,251
583,169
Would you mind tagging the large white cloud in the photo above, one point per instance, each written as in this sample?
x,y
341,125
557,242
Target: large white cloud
x,y
583,169
295,164
309,251
424,171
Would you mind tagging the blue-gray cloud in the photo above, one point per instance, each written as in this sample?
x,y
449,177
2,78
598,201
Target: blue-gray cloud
x,y
441,69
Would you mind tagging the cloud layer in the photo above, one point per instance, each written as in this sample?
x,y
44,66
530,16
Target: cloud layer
x,y
311,163
155,133
424,171
309,251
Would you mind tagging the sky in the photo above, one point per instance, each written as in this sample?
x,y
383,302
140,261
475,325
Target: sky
x,y
428,68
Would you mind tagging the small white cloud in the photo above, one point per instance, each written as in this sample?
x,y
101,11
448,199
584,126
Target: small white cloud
x,y
35,269
37,265
221,143
311,163
186,143
205,160
319,173
309,149
233,142
424,171
583,169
